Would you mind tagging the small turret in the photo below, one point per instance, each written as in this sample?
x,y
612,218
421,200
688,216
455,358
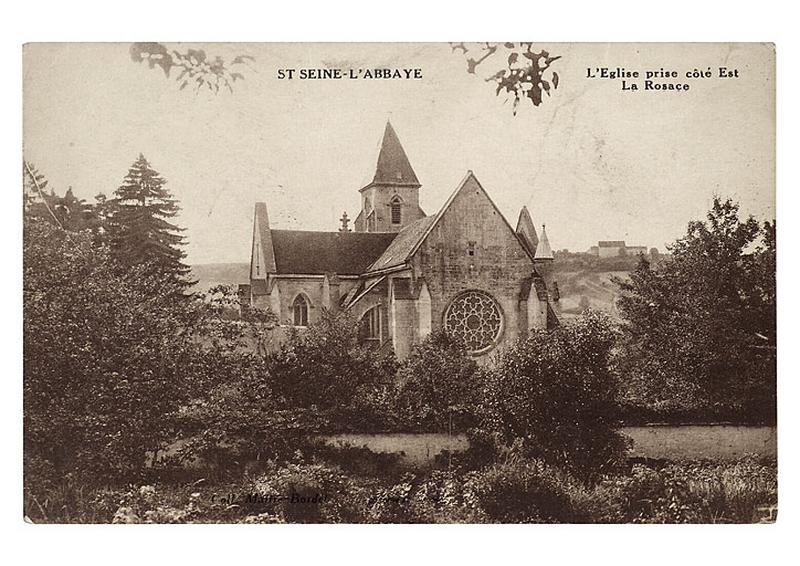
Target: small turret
x,y
543,263
543,251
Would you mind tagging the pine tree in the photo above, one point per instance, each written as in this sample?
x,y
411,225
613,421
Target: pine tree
x,y
137,225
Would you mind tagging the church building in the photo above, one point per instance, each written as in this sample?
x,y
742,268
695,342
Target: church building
x,y
404,273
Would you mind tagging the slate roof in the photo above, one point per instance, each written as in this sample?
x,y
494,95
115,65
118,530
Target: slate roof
x,y
315,253
527,232
399,250
362,289
393,167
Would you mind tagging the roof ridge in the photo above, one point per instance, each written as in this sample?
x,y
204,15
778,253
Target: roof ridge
x,y
338,232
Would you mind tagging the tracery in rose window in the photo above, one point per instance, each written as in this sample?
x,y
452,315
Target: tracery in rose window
x,y
474,318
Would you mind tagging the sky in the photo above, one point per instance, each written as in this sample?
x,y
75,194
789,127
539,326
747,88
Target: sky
x,y
592,161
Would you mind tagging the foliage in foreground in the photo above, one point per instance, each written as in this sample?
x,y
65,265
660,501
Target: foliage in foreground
x,y
555,392
326,370
103,355
439,386
516,490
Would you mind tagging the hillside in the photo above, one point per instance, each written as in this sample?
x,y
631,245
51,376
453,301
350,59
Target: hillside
x,y
211,274
594,289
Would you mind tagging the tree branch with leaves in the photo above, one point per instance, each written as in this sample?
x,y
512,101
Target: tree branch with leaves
x,y
526,73
193,67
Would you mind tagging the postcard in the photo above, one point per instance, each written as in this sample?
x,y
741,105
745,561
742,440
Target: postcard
x,y
399,283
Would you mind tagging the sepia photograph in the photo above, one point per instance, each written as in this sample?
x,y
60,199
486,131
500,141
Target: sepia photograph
x,y
381,283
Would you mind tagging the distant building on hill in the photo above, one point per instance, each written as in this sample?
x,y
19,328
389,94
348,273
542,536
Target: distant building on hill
x,y
615,248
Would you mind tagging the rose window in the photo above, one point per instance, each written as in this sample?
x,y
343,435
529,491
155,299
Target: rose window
x,y
475,319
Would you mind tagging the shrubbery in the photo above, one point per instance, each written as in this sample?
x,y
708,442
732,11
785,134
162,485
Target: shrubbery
x,y
556,392
104,356
439,386
126,379
516,490
326,369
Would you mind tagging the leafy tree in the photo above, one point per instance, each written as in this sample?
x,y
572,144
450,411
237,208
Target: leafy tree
x,y
525,74
194,67
700,324
138,229
104,356
556,395
439,385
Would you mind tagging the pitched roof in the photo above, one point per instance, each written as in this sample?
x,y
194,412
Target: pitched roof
x,y
526,231
315,253
403,245
411,237
393,167
611,243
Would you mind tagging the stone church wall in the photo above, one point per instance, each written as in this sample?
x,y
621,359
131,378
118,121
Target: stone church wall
x,y
499,265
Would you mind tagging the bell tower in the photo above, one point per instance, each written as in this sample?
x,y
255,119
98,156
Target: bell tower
x,y
391,201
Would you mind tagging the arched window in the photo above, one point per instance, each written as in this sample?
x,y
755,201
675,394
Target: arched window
x,y
372,325
397,210
300,311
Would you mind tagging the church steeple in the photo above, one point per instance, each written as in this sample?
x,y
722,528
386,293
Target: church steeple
x,y
391,200
393,167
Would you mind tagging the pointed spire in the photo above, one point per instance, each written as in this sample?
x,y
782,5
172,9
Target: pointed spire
x,y
526,231
543,250
262,258
393,167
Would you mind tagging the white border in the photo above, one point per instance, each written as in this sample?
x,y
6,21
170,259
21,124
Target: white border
x,y
407,20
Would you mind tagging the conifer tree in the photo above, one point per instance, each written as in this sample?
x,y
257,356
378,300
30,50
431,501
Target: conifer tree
x,y
138,226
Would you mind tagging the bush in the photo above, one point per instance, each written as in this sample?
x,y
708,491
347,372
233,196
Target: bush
x,y
240,423
439,498
515,490
439,386
104,356
556,392
309,493
325,369
525,491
